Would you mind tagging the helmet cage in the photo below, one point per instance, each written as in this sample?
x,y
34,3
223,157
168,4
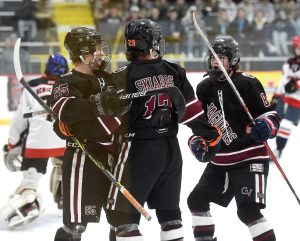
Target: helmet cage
x,y
224,46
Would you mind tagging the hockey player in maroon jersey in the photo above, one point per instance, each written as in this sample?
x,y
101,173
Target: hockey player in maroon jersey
x,y
77,99
287,98
150,162
35,140
240,167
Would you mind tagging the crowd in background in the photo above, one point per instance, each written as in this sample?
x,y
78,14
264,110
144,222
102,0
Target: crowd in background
x,y
262,27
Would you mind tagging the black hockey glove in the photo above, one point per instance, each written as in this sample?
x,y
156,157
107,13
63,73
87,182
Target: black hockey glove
x,y
61,129
109,103
292,86
262,129
203,150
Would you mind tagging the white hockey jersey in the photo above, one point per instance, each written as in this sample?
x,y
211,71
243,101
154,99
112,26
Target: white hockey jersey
x,y
290,70
40,139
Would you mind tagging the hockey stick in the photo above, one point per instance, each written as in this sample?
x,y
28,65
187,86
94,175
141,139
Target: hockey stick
x,y
243,104
34,113
123,190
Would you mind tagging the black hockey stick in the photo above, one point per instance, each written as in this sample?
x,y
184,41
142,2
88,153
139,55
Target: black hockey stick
x,y
173,92
122,189
243,104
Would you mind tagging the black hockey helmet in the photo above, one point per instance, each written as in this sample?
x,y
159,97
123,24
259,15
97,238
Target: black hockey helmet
x,y
82,40
142,35
228,47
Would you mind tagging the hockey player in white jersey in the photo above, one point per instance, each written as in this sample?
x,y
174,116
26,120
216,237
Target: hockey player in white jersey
x,y
287,98
34,140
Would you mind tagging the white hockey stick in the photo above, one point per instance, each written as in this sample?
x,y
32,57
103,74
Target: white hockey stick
x,y
122,189
242,103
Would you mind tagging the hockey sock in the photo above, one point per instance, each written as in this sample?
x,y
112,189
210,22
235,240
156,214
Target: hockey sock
x,y
128,232
171,230
203,226
261,230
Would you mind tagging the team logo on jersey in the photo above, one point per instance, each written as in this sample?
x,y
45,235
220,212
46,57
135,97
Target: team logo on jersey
x,y
90,210
246,191
256,167
61,90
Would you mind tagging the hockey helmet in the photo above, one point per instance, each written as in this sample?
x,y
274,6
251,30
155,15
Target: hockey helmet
x,y
56,65
228,47
81,41
296,41
144,34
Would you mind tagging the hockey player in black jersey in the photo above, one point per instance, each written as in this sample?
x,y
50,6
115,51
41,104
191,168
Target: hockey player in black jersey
x,y
35,141
77,99
150,163
240,167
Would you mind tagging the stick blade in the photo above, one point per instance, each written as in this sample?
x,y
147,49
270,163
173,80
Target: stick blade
x,y
17,64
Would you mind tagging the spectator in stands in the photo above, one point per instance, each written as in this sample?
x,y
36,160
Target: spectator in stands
x,y
163,6
282,31
145,7
230,7
7,56
249,8
155,15
267,8
194,45
259,37
173,31
240,29
223,22
134,13
27,26
181,7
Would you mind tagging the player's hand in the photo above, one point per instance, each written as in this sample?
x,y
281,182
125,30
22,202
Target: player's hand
x,y
109,102
61,129
261,129
203,151
292,86
12,157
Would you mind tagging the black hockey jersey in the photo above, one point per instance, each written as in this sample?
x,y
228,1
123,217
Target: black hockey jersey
x,y
224,110
70,101
141,121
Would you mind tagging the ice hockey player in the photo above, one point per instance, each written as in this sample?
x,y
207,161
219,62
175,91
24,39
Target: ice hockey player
x,y
287,98
240,167
85,111
35,140
150,162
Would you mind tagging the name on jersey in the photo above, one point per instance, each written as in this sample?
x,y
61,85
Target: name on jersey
x,y
216,118
154,82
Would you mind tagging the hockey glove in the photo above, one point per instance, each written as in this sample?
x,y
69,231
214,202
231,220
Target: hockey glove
x,y
12,157
61,129
262,129
292,86
109,103
203,150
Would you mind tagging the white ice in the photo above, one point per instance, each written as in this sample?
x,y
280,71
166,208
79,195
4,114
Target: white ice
x,y
282,210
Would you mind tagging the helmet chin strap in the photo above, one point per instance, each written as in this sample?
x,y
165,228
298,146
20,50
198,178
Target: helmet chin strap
x,y
91,64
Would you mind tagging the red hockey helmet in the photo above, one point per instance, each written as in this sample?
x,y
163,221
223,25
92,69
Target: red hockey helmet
x,y
296,41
